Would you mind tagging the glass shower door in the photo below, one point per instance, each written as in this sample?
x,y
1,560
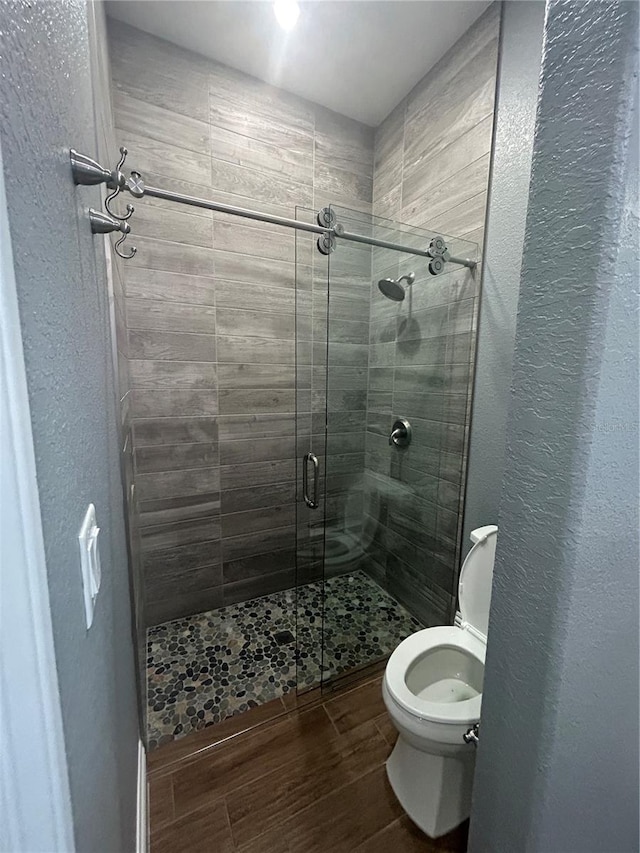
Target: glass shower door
x,y
311,381
392,512
378,522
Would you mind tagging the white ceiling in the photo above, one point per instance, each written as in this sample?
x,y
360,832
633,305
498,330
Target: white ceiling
x,y
357,57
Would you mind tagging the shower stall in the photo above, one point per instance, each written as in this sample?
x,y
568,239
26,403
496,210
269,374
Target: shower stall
x,y
375,478
295,366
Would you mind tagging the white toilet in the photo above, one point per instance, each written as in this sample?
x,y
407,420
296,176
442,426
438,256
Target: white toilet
x,y
433,691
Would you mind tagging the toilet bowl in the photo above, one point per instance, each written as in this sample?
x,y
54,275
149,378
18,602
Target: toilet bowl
x,y
432,689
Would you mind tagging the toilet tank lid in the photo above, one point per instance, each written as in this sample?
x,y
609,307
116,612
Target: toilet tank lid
x,y
476,577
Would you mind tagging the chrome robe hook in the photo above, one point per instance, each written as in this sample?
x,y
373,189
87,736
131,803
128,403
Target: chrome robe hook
x,y
119,183
120,254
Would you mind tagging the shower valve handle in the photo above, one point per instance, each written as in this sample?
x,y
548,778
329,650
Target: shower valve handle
x,y
400,433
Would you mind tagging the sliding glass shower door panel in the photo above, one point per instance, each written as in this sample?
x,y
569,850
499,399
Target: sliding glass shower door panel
x,y
395,350
384,369
311,381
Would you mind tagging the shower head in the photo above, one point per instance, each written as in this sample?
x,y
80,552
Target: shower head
x,y
392,287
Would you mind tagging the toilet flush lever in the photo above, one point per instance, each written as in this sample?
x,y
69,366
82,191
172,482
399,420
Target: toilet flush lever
x,y
472,735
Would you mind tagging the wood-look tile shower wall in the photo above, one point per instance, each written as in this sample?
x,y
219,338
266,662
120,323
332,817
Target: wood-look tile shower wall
x,y
431,170
210,313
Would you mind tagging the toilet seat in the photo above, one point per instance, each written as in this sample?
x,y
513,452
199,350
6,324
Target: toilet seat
x,y
418,645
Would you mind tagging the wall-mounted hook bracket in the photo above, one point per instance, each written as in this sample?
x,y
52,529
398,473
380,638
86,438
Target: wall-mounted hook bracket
x,y
88,172
102,223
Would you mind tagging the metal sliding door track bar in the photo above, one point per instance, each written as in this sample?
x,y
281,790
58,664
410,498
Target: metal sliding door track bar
x,y
87,171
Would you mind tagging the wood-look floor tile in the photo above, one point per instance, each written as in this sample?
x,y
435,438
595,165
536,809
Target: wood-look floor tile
x,y
346,818
272,799
201,831
160,801
165,758
268,842
357,706
386,728
230,765
403,836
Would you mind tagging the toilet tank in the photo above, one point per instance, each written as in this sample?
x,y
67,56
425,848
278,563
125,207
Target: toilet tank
x,y
476,578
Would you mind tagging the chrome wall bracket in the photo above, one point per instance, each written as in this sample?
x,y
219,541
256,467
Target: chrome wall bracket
x,y
103,223
88,172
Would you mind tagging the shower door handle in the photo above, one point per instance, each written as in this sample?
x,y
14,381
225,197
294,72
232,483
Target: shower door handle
x,y
312,503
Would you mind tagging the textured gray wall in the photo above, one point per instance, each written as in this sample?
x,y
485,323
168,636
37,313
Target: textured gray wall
x,y
432,160
211,316
60,271
558,760
517,98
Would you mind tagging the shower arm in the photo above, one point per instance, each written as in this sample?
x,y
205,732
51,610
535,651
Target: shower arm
x,y
85,170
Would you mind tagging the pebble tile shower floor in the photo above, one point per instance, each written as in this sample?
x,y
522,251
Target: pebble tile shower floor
x,y
204,668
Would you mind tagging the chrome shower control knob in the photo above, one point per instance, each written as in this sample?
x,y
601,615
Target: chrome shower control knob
x,y
400,433
472,735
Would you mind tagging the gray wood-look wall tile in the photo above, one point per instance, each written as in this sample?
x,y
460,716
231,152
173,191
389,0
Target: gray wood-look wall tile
x,y
255,297
343,142
243,523
255,587
233,266
190,579
246,350
256,426
172,257
469,182
276,539
170,510
419,180
169,562
176,457
154,431
277,131
158,315
162,536
176,605
277,188
256,450
244,376
257,474
258,497
172,374
463,218
261,156
258,324
266,242
170,286
176,226
193,481
154,71
155,122
257,400
454,110
150,155
171,346
258,565
174,402
461,55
